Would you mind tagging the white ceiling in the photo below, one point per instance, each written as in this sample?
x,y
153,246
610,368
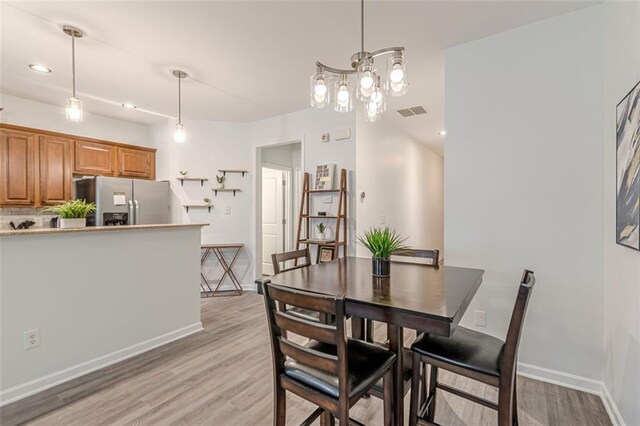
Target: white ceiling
x,y
247,60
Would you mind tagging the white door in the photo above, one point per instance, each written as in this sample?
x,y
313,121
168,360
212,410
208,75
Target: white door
x,y
272,217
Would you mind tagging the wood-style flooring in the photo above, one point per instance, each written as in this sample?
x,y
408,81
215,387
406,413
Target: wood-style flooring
x,y
222,376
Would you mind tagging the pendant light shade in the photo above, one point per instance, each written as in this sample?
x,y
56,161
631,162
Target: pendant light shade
x,y
343,94
397,75
73,105
179,135
319,90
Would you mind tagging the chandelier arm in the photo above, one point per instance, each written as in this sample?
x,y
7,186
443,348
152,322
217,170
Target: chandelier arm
x,y
334,70
385,51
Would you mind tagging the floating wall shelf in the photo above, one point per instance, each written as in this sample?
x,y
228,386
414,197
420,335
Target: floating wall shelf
x,y
225,171
188,179
197,206
234,190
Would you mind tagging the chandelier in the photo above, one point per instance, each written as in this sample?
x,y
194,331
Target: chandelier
x,y
330,84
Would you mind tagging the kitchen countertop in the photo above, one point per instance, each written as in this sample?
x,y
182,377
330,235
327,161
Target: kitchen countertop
x,y
41,231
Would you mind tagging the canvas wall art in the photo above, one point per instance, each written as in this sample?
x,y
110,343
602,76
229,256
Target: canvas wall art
x,y
628,170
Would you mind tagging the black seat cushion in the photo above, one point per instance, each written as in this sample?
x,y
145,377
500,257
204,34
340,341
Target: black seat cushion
x,y
366,363
465,348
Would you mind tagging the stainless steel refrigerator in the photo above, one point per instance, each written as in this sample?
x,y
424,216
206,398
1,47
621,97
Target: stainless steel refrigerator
x,y
125,201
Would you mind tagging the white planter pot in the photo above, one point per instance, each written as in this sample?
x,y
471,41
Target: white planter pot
x,y
221,186
73,223
322,236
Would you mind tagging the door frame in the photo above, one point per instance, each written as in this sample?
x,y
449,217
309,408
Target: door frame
x,y
256,234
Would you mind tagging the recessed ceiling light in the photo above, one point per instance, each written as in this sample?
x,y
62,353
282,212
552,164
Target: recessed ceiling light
x,y
40,68
443,133
129,105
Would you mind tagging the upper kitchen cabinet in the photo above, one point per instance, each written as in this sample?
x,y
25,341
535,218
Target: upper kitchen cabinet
x,y
18,167
136,163
55,169
94,158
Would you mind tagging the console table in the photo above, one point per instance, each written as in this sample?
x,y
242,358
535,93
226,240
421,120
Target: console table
x,y
227,267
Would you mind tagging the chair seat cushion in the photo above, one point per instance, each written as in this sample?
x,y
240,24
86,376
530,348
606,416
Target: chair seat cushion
x,y
465,348
366,363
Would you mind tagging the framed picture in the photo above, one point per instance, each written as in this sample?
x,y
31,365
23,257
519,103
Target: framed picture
x,y
325,254
324,176
628,170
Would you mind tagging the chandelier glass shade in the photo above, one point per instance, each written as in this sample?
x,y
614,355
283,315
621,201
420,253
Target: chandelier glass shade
x,y
339,86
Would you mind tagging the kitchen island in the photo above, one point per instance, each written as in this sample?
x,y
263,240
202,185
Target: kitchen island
x,y
95,296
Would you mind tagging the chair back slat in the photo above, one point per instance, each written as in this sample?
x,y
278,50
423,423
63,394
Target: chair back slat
x,y
318,303
310,329
433,255
281,258
512,342
318,360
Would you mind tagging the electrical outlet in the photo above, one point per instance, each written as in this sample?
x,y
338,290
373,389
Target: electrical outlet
x,y
383,220
328,199
227,210
480,318
325,137
31,339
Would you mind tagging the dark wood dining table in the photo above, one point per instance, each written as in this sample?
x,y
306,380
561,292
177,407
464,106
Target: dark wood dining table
x,y
415,296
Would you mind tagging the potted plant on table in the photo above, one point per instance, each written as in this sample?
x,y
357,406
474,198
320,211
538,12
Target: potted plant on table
x,y
207,201
382,243
221,180
73,214
321,231
184,174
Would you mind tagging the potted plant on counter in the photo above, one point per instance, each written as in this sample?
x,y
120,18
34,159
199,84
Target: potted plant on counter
x,y
382,243
221,180
73,214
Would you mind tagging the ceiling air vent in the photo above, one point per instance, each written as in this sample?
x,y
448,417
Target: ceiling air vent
x,y
410,112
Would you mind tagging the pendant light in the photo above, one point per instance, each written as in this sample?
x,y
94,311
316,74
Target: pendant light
x,y
369,87
73,104
179,135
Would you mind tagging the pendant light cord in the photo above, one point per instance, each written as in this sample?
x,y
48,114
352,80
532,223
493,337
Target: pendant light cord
x,y
179,100
73,63
362,25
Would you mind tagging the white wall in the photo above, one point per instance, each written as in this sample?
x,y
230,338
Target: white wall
x,y
211,146
621,264
92,312
523,182
24,112
403,183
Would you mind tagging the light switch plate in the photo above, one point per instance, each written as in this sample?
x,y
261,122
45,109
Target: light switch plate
x,y
480,318
227,210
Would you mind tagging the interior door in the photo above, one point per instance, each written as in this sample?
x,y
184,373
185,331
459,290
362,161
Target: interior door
x,y
153,202
272,217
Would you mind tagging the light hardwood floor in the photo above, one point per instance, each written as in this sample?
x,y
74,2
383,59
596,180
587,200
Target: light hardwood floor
x,y
222,376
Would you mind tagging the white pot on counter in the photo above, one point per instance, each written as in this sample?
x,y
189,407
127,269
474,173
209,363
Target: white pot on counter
x,y
73,223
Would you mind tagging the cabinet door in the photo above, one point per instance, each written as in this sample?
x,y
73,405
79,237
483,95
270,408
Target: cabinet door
x,y
18,168
94,158
55,170
136,163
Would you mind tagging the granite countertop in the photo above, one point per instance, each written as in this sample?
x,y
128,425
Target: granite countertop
x,y
40,231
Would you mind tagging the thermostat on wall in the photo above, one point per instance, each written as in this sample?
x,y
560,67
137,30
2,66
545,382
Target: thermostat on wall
x,y
342,134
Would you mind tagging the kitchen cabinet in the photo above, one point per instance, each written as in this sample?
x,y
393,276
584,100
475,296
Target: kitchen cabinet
x,y
18,168
55,170
136,163
94,158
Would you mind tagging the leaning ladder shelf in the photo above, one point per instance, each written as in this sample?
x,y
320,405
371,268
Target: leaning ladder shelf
x,y
305,216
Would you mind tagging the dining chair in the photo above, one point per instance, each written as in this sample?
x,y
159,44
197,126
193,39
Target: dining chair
x,y
474,355
331,371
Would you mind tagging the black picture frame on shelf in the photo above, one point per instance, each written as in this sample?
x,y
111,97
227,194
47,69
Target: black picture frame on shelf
x,y
325,254
627,171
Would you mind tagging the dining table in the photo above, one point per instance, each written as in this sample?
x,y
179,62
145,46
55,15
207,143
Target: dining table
x,y
415,296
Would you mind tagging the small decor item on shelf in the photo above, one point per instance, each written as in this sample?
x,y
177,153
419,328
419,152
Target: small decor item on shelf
x,y
73,214
325,254
321,228
207,201
22,225
324,176
184,174
322,214
221,180
382,243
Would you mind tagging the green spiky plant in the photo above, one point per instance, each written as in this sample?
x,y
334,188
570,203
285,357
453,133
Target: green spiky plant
x,y
321,227
207,201
383,242
76,209
184,174
221,179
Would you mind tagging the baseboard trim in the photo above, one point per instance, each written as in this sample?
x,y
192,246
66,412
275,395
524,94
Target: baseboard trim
x,y
30,388
572,381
